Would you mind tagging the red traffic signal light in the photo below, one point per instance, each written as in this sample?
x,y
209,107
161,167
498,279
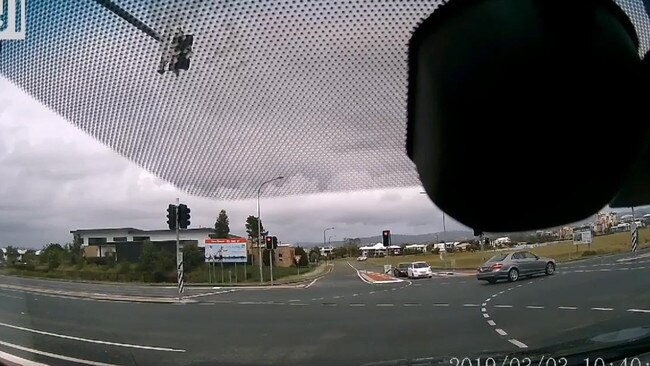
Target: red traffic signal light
x,y
269,242
386,238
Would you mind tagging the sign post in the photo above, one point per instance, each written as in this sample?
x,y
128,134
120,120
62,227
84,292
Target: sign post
x,y
297,258
582,235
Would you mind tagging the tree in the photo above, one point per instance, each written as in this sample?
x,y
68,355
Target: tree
x,y
148,257
192,257
12,254
314,254
222,227
303,262
29,256
74,251
52,255
251,229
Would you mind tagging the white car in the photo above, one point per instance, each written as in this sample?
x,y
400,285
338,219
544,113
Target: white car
x,y
362,258
419,269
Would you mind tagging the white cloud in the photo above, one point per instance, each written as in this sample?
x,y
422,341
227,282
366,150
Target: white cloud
x,y
56,178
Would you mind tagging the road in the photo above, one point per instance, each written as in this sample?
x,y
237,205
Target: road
x,y
338,320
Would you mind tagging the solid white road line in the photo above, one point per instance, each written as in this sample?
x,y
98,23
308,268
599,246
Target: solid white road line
x,y
501,331
638,310
502,306
53,355
12,296
151,348
517,343
18,360
495,295
492,323
567,307
359,274
488,300
312,282
603,309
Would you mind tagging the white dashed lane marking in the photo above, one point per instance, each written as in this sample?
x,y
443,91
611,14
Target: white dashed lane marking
x,y
491,322
485,315
440,304
568,307
502,306
517,343
501,331
385,305
638,311
471,305
602,309
534,307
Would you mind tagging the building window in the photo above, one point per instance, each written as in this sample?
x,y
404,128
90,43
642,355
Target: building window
x,y
280,255
96,241
119,239
140,238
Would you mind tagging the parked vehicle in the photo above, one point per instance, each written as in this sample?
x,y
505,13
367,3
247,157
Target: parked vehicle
x,y
362,258
419,269
401,270
512,266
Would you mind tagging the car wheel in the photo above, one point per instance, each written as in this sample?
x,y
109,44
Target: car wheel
x,y
550,268
395,273
513,275
492,281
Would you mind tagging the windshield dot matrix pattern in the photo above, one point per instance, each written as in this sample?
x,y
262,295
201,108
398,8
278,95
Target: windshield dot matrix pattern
x,y
314,91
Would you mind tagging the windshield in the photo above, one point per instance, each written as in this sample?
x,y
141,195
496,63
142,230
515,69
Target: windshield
x,y
249,183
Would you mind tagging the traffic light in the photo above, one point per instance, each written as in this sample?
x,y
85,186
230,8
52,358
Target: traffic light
x,y
386,237
181,52
183,216
271,242
171,217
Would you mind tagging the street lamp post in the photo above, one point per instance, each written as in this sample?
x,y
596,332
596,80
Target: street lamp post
x,y
324,231
259,224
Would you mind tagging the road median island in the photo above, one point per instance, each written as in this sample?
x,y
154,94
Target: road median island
x,y
95,296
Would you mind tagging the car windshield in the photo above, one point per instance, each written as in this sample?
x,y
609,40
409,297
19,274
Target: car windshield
x,y
296,182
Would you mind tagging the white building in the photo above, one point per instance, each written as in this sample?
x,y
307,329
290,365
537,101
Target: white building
x,y
326,251
101,242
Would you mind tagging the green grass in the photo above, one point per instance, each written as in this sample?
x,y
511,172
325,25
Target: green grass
x,y
561,252
198,275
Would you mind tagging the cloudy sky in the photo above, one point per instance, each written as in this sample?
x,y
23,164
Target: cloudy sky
x,y
55,178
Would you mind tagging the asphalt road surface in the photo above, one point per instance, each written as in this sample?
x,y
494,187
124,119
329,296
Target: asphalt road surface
x,y
338,320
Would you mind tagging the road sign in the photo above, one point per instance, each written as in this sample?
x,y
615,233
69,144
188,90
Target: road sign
x,y
387,268
297,258
635,237
225,250
582,236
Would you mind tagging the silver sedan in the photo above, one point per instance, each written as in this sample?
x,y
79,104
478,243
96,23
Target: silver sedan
x,y
513,265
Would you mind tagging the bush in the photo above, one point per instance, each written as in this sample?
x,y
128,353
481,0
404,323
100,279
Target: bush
x,y
588,253
124,268
24,266
98,261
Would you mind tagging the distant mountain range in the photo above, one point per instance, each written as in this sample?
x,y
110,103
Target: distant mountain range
x,y
399,239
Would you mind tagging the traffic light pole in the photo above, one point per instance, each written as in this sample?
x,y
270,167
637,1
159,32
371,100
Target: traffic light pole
x,y
271,264
179,260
